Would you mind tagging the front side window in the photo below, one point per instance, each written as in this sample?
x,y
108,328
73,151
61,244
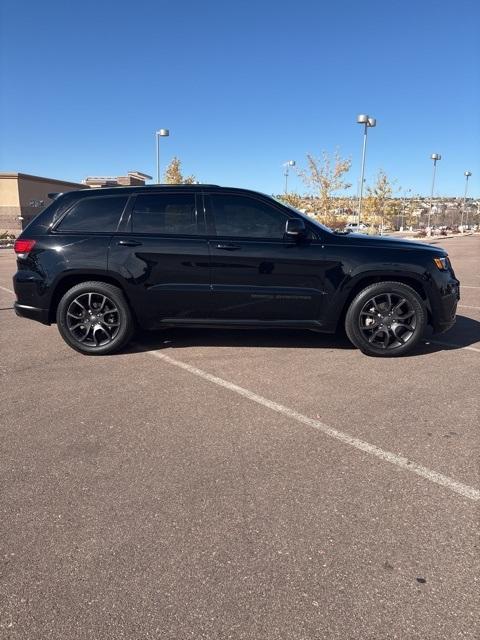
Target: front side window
x,y
94,215
164,213
241,216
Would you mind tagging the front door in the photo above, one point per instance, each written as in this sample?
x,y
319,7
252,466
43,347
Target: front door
x,y
162,256
257,273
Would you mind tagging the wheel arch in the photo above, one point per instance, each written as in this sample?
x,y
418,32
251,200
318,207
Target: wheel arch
x,y
366,280
70,280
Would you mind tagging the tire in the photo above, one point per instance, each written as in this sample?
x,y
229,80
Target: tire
x,y
94,318
386,319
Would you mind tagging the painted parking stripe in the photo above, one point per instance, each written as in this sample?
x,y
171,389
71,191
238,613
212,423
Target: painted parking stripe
x,y
400,461
7,290
469,286
467,306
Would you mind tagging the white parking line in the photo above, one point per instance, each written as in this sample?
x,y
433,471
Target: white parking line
x,y
404,463
468,286
467,306
8,290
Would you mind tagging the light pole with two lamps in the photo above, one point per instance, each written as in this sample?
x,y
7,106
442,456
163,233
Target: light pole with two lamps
x,y
367,121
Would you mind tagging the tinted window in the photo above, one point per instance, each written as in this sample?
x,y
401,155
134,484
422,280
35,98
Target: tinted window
x,y
165,213
94,214
246,217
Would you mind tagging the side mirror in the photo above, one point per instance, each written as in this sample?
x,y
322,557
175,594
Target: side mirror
x,y
295,228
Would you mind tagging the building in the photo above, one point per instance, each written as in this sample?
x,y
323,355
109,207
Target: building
x,y
23,196
133,178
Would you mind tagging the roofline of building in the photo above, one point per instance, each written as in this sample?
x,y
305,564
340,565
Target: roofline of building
x,y
38,178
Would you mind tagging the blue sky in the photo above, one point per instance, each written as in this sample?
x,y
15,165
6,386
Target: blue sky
x,y
242,86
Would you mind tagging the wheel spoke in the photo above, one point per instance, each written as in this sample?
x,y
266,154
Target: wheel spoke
x,y
406,315
110,324
386,340
397,306
75,326
76,301
396,336
85,335
375,334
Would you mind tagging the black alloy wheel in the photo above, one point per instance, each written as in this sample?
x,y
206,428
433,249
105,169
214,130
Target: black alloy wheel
x,y
386,319
94,318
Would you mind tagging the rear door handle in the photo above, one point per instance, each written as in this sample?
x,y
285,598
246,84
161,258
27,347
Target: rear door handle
x,y
229,246
129,243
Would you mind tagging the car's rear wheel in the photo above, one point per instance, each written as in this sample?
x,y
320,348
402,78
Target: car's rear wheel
x,y
386,319
94,318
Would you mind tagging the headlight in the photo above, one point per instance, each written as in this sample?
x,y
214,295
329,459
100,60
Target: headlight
x,y
442,263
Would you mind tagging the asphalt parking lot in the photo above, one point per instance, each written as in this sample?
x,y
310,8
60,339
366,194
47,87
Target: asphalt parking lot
x,y
240,484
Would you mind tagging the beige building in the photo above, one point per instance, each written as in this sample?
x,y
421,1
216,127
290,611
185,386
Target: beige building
x,y
23,196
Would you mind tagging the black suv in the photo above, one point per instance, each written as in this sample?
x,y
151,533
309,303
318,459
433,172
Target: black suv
x,y
101,262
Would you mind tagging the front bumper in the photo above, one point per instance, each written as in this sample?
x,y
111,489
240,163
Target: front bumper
x,y
445,308
33,313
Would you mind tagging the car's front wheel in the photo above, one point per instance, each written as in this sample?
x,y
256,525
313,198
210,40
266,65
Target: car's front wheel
x,y
94,318
386,319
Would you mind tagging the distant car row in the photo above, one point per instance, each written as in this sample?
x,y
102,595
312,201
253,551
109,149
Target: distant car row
x,y
363,226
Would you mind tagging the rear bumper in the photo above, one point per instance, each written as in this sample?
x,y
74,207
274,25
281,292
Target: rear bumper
x,y
33,313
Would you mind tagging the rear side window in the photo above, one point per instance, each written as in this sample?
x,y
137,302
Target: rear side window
x,y
94,214
164,213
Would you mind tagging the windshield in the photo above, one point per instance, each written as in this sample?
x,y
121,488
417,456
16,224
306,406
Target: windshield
x,y
303,215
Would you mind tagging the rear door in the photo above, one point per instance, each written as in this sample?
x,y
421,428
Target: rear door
x,y
161,253
257,273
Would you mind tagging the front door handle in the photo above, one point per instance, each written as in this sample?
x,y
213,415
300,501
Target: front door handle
x,y
129,243
229,246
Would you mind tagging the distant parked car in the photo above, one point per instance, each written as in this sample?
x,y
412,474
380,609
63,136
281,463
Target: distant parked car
x,y
354,226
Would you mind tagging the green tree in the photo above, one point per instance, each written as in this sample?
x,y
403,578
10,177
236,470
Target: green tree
x,y
174,175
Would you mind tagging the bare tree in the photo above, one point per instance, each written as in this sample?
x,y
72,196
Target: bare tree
x,y
325,177
379,201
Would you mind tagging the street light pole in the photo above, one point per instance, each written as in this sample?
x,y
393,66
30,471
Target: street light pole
x,y
367,121
287,165
434,157
161,133
467,175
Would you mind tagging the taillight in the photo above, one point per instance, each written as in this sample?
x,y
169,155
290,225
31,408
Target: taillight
x,y
23,246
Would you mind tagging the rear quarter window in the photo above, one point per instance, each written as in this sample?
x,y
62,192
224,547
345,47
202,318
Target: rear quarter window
x,y
99,215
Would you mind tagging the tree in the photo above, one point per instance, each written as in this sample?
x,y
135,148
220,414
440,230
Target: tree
x,y
379,201
173,173
325,177
293,199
